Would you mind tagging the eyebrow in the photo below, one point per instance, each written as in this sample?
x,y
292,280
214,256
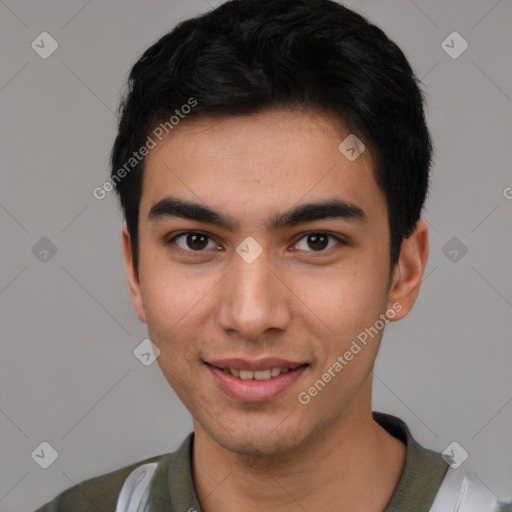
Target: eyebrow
x,y
334,208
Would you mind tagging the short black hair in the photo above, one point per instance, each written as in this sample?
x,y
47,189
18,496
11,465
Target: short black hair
x,y
249,55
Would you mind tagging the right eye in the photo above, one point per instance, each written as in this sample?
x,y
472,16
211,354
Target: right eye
x,y
193,241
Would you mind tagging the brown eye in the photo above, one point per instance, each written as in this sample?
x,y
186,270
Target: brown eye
x,y
317,242
193,241
197,241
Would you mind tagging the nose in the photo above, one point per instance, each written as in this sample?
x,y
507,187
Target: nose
x,y
254,299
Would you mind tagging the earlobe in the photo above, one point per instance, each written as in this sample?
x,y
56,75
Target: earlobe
x,y
132,276
408,272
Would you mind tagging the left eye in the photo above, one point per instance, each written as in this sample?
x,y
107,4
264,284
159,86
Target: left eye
x,y
317,242
194,242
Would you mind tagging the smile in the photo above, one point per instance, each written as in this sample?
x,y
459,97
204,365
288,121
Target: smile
x,y
270,373
260,385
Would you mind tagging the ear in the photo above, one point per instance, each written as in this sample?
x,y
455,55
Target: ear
x,y
408,272
132,276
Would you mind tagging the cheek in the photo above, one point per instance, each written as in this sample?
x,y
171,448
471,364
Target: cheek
x,y
173,305
345,300
177,302
170,292
344,309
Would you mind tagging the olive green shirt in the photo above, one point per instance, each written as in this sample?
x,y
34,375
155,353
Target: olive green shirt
x,y
173,489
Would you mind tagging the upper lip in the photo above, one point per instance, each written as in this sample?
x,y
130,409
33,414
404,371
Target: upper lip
x,y
237,363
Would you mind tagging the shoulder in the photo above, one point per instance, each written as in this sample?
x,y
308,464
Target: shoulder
x,y
100,493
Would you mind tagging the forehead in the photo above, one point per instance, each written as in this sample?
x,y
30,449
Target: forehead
x,y
255,163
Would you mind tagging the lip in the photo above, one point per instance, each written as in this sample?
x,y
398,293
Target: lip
x,y
255,390
237,363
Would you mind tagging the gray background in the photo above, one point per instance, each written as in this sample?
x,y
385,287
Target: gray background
x,y
69,375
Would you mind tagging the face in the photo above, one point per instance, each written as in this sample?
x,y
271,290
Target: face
x,y
263,249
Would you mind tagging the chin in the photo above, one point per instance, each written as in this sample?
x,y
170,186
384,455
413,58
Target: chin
x,y
258,440
257,447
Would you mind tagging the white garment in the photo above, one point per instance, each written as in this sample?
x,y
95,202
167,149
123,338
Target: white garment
x,y
463,492
135,492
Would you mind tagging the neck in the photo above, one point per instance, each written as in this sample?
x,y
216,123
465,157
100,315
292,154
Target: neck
x,y
352,465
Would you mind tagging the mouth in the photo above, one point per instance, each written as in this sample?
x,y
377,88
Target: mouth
x,y
269,373
255,381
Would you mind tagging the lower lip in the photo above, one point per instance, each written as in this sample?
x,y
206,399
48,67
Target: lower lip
x,y
255,390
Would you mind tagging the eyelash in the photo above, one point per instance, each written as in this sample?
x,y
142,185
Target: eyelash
x,y
171,241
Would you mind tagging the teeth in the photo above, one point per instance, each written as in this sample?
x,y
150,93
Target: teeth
x,y
262,374
257,375
275,372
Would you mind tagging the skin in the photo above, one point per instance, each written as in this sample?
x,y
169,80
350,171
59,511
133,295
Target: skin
x,y
295,301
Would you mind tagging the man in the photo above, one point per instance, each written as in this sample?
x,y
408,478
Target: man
x,y
272,163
